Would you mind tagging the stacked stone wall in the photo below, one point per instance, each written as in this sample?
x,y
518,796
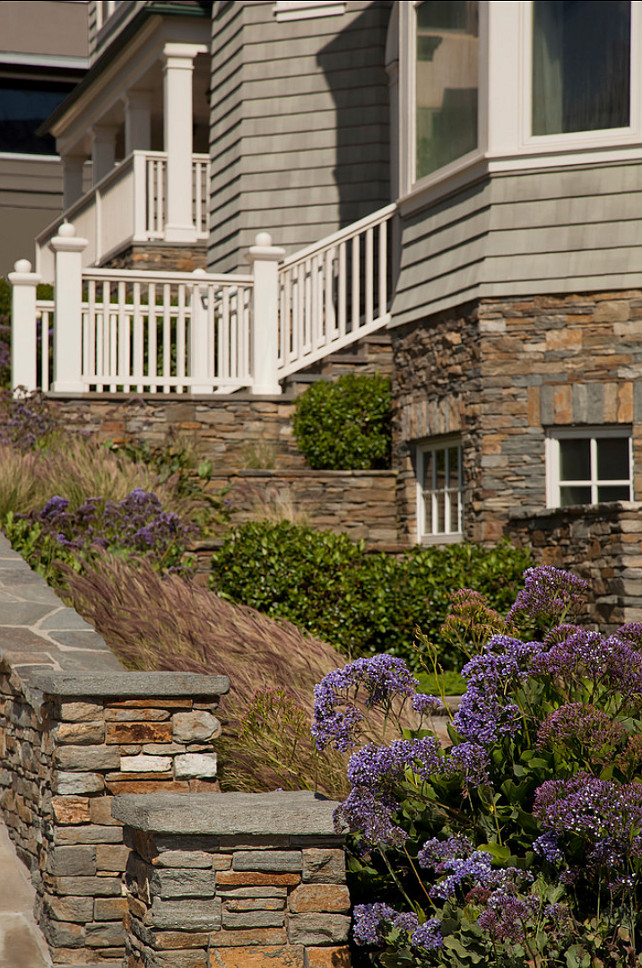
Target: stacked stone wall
x,y
239,881
602,544
499,374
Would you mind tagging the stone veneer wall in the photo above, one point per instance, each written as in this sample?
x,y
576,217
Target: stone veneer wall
x,y
602,544
76,729
360,504
159,256
499,373
234,881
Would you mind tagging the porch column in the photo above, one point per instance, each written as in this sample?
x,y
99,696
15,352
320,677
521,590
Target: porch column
x,y
138,121
178,118
103,150
72,172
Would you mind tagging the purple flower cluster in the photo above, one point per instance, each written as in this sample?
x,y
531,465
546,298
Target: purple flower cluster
x,y
506,916
370,816
581,654
137,523
485,714
373,921
381,677
471,761
607,815
549,595
456,858
26,421
424,704
582,725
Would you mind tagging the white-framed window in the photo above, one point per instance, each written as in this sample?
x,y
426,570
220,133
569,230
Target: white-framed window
x,y
439,491
589,466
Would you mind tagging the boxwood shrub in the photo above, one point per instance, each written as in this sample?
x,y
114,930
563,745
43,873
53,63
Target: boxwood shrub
x,y
345,424
361,602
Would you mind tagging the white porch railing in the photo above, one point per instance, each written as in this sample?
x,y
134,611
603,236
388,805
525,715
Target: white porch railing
x,y
176,332
137,331
128,204
335,292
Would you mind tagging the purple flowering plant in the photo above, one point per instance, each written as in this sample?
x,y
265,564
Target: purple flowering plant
x,y
137,526
510,836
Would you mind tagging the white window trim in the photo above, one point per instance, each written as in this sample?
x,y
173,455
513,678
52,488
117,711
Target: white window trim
x,y
578,139
443,537
552,453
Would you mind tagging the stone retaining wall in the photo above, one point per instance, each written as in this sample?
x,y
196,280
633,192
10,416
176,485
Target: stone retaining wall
x,y
76,729
602,544
360,504
234,881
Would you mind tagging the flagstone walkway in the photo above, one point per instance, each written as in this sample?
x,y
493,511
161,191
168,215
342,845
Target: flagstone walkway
x,y
21,942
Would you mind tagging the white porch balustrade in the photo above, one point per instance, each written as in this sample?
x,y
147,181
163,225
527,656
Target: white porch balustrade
x,y
128,205
178,332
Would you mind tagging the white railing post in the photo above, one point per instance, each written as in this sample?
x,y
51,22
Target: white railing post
x,y
23,325
199,350
68,251
139,174
265,317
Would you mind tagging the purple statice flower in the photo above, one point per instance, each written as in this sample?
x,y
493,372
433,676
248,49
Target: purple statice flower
x,y
547,847
372,921
578,724
485,714
506,916
475,868
425,704
631,632
435,852
471,761
428,935
380,768
382,678
583,654
607,815
370,816
55,505
549,594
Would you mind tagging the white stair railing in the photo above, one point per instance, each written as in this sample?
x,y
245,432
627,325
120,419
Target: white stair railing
x,y
335,292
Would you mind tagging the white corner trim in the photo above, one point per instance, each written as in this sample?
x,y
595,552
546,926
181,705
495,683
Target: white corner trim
x,y
307,9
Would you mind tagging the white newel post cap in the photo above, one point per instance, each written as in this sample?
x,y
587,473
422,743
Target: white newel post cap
x,y
263,250
66,240
22,274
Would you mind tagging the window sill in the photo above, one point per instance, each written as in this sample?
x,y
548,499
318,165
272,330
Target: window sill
x,y
441,539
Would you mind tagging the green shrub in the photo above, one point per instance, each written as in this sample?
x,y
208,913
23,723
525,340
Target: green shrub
x,y
360,602
345,425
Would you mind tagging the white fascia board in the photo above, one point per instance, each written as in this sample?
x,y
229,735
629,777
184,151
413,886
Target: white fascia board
x,y
44,60
307,9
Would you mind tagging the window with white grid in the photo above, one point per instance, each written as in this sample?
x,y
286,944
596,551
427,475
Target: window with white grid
x,y
439,491
589,466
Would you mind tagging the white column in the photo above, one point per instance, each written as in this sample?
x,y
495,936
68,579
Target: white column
x,y
23,326
265,317
138,121
178,119
72,172
67,249
103,150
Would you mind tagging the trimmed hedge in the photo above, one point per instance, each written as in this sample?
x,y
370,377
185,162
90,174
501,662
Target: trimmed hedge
x,y
360,602
345,424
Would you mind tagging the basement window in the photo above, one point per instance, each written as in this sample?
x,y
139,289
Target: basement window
x,y
589,466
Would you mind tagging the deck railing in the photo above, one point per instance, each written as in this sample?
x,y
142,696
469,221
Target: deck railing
x,y
335,292
177,332
128,205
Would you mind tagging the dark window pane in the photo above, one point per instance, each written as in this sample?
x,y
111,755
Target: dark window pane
x,y
613,459
613,492
574,495
453,466
438,524
24,105
575,459
427,468
453,523
447,82
440,461
581,65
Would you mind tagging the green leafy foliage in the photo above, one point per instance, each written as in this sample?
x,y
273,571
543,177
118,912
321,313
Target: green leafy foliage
x,y
360,602
345,425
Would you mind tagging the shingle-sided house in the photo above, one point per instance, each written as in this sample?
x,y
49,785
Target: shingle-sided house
x,y
462,175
